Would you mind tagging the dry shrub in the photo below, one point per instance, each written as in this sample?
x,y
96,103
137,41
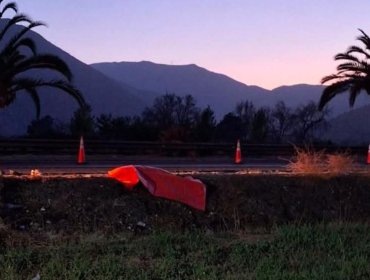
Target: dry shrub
x,y
340,163
310,161
307,161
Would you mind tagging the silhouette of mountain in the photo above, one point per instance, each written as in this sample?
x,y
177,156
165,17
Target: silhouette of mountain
x,y
102,93
219,91
350,128
125,88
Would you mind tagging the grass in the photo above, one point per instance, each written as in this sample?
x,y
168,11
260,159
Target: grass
x,y
333,251
308,161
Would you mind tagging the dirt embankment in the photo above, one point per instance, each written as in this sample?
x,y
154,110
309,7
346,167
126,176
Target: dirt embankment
x,y
234,202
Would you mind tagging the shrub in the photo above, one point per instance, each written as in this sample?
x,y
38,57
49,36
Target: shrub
x,y
340,163
311,161
307,161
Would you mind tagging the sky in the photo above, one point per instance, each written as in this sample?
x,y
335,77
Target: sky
x,y
268,43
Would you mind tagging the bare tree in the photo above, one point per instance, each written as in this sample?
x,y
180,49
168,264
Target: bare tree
x,y
308,121
260,126
282,121
245,110
172,116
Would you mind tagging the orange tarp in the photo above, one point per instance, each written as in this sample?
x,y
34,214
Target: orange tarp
x,y
161,183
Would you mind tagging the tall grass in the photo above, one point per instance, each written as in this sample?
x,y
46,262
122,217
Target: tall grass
x,y
335,251
309,161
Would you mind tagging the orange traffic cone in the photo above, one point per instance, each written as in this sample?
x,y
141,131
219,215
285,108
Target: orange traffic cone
x,y
368,155
238,153
81,152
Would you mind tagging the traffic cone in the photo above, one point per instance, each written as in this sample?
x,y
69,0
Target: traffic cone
x,y
368,155
238,153
81,152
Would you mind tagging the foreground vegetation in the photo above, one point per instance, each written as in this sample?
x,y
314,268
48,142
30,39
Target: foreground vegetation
x,y
334,251
254,227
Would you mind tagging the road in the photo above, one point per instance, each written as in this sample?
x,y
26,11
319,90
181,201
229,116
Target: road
x,y
100,164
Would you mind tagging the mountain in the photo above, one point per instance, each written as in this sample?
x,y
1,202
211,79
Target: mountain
x,y
126,88
103,94
219,91
350,128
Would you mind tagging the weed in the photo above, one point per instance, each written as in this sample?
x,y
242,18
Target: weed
x,y
309,161
340,163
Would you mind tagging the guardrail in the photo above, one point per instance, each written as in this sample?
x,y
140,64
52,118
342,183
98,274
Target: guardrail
x,y
70,147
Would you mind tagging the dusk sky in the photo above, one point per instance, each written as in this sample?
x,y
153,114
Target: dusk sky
x,y
268,43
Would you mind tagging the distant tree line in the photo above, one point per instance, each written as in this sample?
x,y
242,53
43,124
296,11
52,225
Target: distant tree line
x,y
176,118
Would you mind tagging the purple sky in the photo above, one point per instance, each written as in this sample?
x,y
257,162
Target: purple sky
x,y
261,42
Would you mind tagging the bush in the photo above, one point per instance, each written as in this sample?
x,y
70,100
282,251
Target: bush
x,y
339,163
307,161
310,161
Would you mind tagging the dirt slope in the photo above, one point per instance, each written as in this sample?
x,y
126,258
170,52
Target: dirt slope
x,y
234,202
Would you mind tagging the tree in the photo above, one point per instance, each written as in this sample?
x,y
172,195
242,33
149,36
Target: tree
x,y
82,122
260,126
19,56
172,116
121,128
104,125
205,125
282,120
308,119
229,128
352,75
47,127
245,110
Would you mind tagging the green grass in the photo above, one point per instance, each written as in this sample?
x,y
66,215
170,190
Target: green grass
x,y
335,251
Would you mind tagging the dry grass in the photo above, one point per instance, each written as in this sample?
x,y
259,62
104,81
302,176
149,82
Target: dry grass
x,y
308,161
339,163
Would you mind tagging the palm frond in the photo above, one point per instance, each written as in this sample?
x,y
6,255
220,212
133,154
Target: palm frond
x,y
28,83
35,98
9,6
28,43
19,55
332,90
352,67
43,61
356,49
12,43
13,59
19,18
354,91
352,76
365,39
330,78
346,56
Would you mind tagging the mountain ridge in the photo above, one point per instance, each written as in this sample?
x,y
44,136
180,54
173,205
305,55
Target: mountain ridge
x,y
97,88
223,92
131,87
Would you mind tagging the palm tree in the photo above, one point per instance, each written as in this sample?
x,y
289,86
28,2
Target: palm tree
x,y
18,56
353,74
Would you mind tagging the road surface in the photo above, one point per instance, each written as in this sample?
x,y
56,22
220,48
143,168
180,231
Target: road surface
x,y
100,165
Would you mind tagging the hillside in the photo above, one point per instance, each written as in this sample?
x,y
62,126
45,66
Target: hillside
x,y
214,89
350,128
126,88
102,93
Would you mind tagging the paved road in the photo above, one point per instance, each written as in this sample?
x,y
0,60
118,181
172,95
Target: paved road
x,y
101,164
64,164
